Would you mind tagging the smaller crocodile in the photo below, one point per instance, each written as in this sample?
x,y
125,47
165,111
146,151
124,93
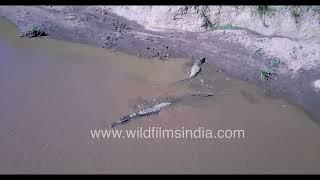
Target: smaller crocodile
x,y
153,109
195,69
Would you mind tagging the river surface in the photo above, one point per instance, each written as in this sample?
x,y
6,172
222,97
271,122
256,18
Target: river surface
x,y
52,93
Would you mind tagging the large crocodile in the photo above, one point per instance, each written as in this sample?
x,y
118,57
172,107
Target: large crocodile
x,y
155,108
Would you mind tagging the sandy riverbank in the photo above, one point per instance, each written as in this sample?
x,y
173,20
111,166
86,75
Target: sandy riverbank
x,y
231,51
54,92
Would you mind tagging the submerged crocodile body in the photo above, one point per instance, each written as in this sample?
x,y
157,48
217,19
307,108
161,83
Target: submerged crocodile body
x,y
153,109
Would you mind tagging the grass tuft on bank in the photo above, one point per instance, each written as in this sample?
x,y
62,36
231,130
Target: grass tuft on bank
x,y
35,31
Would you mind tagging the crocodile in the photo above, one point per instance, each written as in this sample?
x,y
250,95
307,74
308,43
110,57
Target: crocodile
x,y
195,69
153,109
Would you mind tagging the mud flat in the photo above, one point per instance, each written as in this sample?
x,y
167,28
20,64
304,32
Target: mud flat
x,y
53,93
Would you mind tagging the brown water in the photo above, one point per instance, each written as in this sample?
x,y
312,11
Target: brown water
x,y
53,93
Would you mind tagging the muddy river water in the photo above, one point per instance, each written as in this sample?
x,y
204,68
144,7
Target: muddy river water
x,y
53,93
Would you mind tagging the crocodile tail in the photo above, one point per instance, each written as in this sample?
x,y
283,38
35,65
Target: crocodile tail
x,y
114,124
122,120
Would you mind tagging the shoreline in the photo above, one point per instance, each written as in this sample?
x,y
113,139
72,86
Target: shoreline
x,y
114,32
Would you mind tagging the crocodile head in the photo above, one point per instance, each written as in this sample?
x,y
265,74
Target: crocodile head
x,y
201,61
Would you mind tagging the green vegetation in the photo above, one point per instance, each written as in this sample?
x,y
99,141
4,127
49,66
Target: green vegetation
x,y
208,25
275,62
35,31
296,12
262,11
206,22
184,10
270,71
258,51
316,9
266,74
227,27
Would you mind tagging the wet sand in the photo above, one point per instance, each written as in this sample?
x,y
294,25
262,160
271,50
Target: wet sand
x,y
53,93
